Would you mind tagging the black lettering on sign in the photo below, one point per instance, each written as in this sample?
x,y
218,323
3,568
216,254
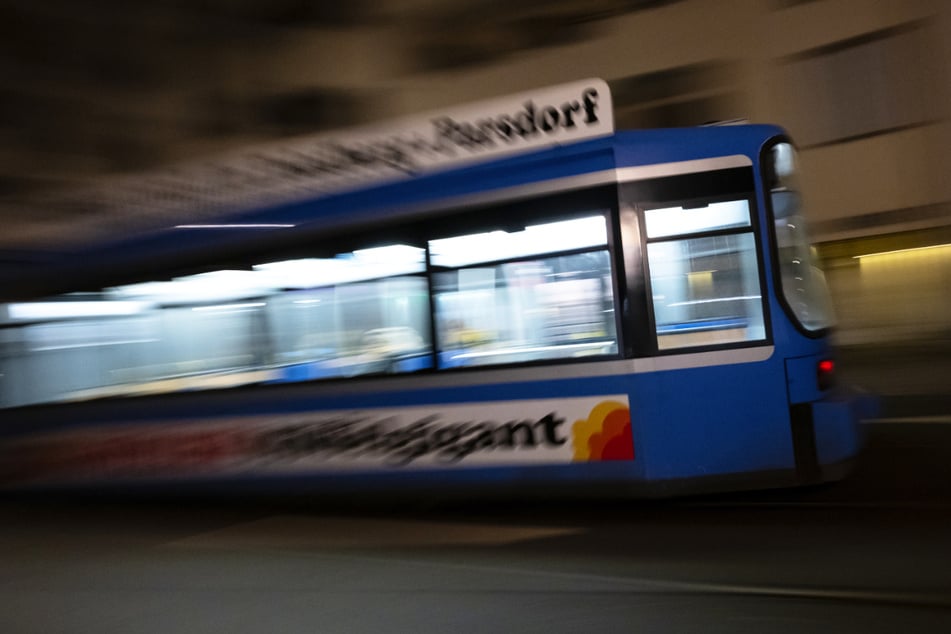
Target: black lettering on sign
x,y
331,164
527,123
445,441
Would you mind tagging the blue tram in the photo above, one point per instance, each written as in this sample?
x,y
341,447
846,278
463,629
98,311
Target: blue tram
x,y
509,295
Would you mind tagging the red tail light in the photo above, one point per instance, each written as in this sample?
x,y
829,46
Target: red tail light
x,y
825,374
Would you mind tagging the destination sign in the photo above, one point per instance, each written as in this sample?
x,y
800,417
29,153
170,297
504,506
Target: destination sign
x,y
314,166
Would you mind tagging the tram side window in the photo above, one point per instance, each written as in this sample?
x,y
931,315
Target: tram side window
x,y
514,297
360,312
341,328
704,276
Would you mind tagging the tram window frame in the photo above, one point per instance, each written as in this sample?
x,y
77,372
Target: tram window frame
x,y
516,214
688,191
495,267
433,223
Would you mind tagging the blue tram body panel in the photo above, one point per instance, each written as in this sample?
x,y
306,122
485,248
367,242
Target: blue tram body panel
x,y
695,392
697,423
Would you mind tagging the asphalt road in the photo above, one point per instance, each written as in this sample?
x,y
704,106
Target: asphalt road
x,y
871,554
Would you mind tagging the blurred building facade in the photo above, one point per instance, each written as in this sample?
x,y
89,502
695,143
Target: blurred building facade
x,y
863,86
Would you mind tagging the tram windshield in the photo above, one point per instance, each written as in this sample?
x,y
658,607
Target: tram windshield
x,y
801,278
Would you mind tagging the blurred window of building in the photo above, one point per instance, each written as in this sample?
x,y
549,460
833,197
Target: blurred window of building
x,y
478,32
302,111
892,287
786,4
684,96
876,83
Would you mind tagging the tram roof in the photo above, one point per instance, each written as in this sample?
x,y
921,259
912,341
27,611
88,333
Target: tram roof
x,y
168,229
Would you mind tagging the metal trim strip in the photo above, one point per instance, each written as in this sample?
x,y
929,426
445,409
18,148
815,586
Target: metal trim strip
x,y
495,375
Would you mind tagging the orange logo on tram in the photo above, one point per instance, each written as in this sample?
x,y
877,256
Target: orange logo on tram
x,y
605,434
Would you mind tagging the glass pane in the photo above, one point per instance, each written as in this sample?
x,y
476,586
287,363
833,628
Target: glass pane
x,y
71,358
354,314
348,330
706,291
673,221
801,277
550,308
581,233
362,264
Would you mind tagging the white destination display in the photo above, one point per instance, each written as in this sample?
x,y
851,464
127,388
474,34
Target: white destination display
x,y
306,167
